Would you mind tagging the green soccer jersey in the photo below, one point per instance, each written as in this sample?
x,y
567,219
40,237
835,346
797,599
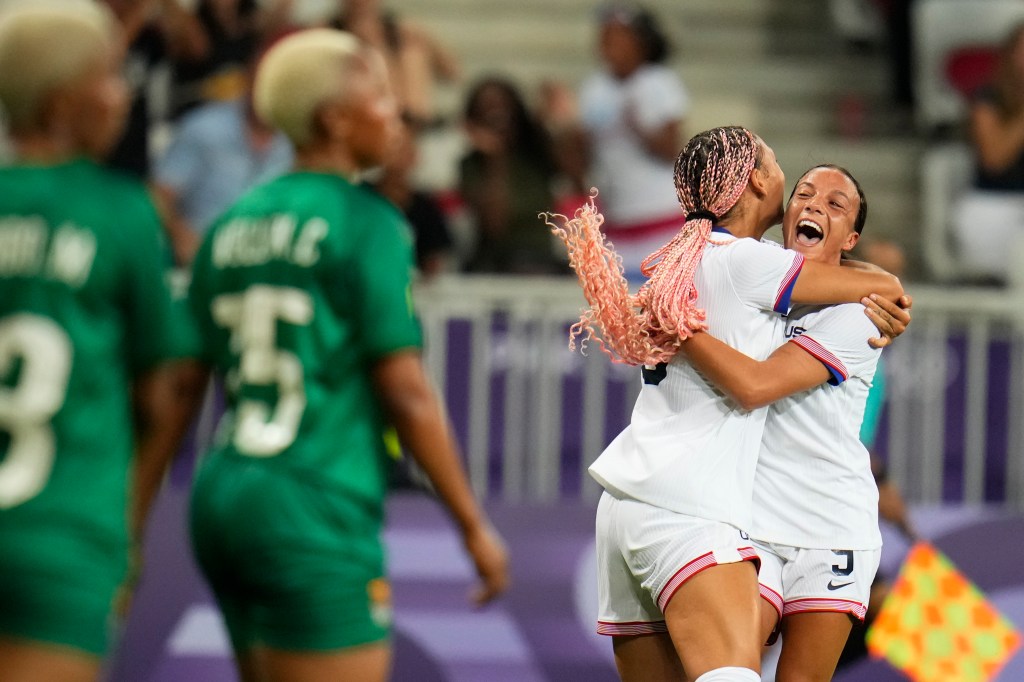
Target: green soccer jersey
x,y
84,307
297,290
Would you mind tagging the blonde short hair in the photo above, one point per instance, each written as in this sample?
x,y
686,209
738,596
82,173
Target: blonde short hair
x,y
301,73
46,45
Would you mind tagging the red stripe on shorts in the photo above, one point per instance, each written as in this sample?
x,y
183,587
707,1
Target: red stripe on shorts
x,y
772,597
633,628
693,568
825,606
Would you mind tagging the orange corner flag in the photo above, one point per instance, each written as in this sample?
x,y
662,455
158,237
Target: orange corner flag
x,y
937,626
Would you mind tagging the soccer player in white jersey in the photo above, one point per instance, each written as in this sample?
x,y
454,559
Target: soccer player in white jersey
x,y
815,521
677,579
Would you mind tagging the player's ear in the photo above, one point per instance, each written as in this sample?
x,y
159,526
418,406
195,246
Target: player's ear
x,y
851,241
54,110
333,120
758,182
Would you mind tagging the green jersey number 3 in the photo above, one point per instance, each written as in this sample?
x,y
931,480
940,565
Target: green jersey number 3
x,y
27,407
263,430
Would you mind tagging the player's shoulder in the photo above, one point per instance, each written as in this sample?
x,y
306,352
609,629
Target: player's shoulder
x,y
114,179
115,187
744,248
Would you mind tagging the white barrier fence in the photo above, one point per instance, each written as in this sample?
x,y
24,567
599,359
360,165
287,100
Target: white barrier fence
x,y
532,416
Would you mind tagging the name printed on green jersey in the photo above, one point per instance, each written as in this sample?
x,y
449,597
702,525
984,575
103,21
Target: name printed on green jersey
x,y
26,250
247,242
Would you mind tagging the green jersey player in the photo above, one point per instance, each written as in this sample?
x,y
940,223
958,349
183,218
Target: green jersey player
x,y
301,295
85,324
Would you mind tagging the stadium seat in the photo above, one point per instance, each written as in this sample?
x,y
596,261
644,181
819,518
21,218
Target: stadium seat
x,y
946,31
969,68
946,173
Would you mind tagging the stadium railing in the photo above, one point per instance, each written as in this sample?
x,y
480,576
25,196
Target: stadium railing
x,y
532,415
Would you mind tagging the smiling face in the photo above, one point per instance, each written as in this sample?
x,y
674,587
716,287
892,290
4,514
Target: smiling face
x,y
821,217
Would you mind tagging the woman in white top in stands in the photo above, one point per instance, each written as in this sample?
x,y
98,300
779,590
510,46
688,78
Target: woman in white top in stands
x,y
633,111
815,522
677,581
989,218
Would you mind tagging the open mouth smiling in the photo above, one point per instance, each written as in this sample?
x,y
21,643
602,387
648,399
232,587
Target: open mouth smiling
x,y
808,232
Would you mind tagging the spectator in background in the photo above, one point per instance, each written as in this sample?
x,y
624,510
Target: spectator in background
x,y
415,59
220,151
153,30
433,241
505,180
232,31
633,112
990,218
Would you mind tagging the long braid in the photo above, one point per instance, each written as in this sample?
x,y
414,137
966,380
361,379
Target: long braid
x,y
647,328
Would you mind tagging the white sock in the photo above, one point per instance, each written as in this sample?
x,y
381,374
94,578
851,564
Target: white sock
x,y
729,675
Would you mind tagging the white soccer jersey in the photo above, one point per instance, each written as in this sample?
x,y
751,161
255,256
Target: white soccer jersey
x,y
814,487
688,448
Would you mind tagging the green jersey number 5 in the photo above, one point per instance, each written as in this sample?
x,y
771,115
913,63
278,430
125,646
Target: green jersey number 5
x,y
263,430
37,352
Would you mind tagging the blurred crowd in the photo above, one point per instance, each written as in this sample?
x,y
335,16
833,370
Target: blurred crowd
x,y
194,138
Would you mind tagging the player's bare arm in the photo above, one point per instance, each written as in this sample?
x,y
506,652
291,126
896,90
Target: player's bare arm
x,y
423,428
165,401
754,383
824,283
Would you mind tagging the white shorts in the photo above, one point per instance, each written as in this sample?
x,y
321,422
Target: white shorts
x,y
645,553
796,580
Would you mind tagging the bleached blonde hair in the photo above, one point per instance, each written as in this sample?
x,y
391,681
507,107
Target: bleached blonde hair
x,y
44,46
300,74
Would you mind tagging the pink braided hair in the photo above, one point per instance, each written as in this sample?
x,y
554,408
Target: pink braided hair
x,y
647,328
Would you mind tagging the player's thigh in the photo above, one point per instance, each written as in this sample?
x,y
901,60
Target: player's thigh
x,y
294,567
714,619
647,658
57,588
367,663
702,576
811,646
625,604
26,661
769,579
824,591
823,580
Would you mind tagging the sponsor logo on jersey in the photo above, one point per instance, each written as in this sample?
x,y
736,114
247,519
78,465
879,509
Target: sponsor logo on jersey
x,y
832,585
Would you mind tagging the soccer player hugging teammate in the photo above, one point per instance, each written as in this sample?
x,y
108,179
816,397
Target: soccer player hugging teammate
x,y
301,292
815,521
88,338
677,582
